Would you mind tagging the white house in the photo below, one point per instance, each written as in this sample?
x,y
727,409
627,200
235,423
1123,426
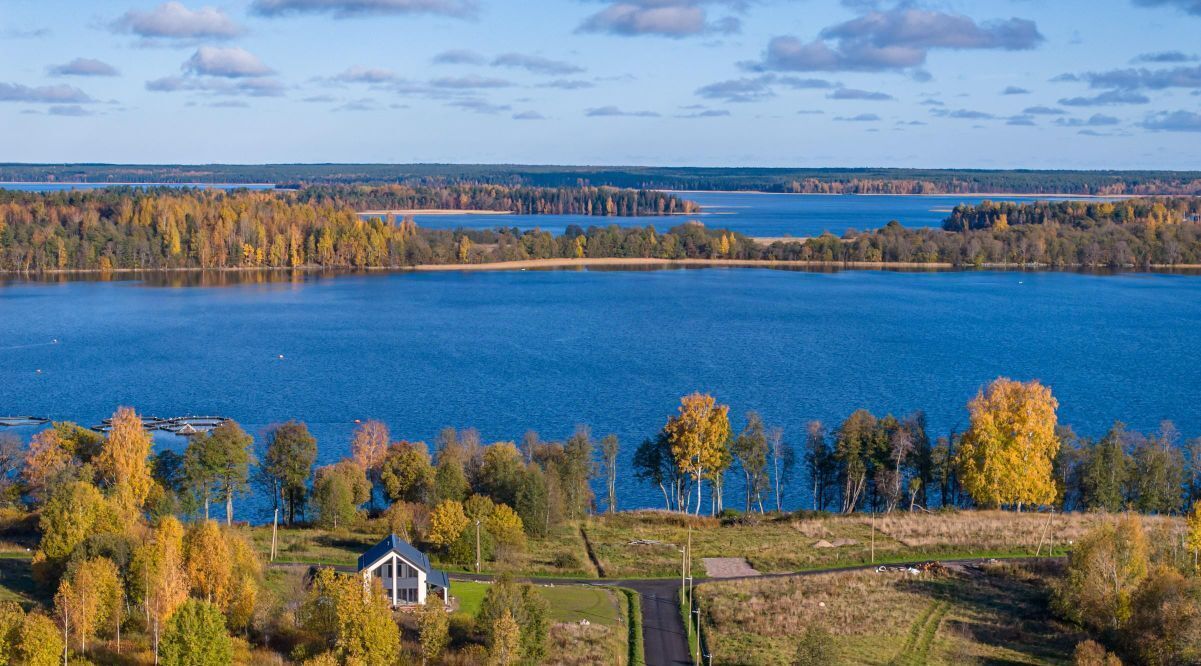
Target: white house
x,y
404,571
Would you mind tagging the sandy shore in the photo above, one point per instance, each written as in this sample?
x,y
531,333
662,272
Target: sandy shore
x,y
636,262
402,212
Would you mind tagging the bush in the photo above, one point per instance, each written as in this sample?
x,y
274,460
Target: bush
x,y
1092,653
196,636
567,561
817,648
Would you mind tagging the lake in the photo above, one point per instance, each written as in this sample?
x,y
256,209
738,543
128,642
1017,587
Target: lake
x,y
509,351
755,214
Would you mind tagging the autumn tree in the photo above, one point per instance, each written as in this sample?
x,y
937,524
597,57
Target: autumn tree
x,y
504,647
291,451
11,618
369,445
1105,569
123,464
75,512
158,580
1193,537
196,636
39,643
433,629
89,600
697,436
1008,453
501,468
506,527
405,472
447,522
357,622
48,459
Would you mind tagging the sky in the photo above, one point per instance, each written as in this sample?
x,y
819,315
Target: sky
x,y
1092,84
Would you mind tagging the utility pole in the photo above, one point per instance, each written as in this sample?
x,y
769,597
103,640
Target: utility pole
x,y
477,545
873,536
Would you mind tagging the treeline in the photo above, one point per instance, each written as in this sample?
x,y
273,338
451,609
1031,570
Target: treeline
x,y
1134,233
1080,214
164,229
521,200
816,180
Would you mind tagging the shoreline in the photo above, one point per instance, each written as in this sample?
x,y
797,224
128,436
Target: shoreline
x,y
431,212
616,263
940,194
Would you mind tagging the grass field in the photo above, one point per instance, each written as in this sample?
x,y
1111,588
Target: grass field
x,y
590,623
645,544
992,614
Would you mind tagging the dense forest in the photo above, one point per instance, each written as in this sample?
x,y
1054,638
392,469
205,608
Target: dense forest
x,y
603,201
127,228
1139,233
832,180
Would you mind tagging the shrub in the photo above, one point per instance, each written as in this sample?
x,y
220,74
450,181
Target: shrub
x,y
196,636
1092,653
817,648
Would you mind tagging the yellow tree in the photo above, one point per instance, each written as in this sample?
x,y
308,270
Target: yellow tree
x,y
75,512
1194,531
505,649
1008,452
369,447
157,578
40,643
123,463
88,598
447,522
207,561
433,625
697,436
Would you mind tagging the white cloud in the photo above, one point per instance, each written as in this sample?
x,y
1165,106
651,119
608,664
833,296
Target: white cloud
x,y
232,62
172,20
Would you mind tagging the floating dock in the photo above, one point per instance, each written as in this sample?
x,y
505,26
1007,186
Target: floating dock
x,y
18,421
178,425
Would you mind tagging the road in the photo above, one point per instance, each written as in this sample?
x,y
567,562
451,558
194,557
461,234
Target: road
x,y
663,634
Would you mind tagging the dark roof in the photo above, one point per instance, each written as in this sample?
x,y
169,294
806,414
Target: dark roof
x,y
393,543
439,579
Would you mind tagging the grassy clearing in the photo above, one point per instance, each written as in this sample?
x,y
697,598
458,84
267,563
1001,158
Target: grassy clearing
x,y
993,614
788,543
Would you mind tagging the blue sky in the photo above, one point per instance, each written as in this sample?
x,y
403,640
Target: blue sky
x,y
1021,83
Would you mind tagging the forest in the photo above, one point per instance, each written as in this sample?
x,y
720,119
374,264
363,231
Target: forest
x,y
807,180
521,200
155,229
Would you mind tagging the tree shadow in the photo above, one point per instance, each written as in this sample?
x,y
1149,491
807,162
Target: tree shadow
x,y
1006,606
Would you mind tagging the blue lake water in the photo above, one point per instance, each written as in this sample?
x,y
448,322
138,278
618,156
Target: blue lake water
x,y
509,351
754,214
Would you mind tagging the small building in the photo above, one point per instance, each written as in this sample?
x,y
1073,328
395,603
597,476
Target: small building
x,y
404,571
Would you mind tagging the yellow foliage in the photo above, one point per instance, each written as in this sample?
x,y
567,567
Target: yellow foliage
x,y
123,466
698,435
447,522
1008,452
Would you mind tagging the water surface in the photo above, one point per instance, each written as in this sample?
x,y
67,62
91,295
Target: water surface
x,y
509,351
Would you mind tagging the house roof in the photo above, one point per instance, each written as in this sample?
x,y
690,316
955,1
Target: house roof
x,y
406,551
439,579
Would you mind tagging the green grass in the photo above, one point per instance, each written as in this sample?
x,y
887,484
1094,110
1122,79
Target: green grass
x,y
637,649
470,595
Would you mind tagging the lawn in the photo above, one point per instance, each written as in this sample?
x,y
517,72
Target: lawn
x,y
994,614
589,621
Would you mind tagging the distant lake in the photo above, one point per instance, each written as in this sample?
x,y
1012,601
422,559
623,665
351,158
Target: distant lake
x,y
509,351
754,214
65,187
